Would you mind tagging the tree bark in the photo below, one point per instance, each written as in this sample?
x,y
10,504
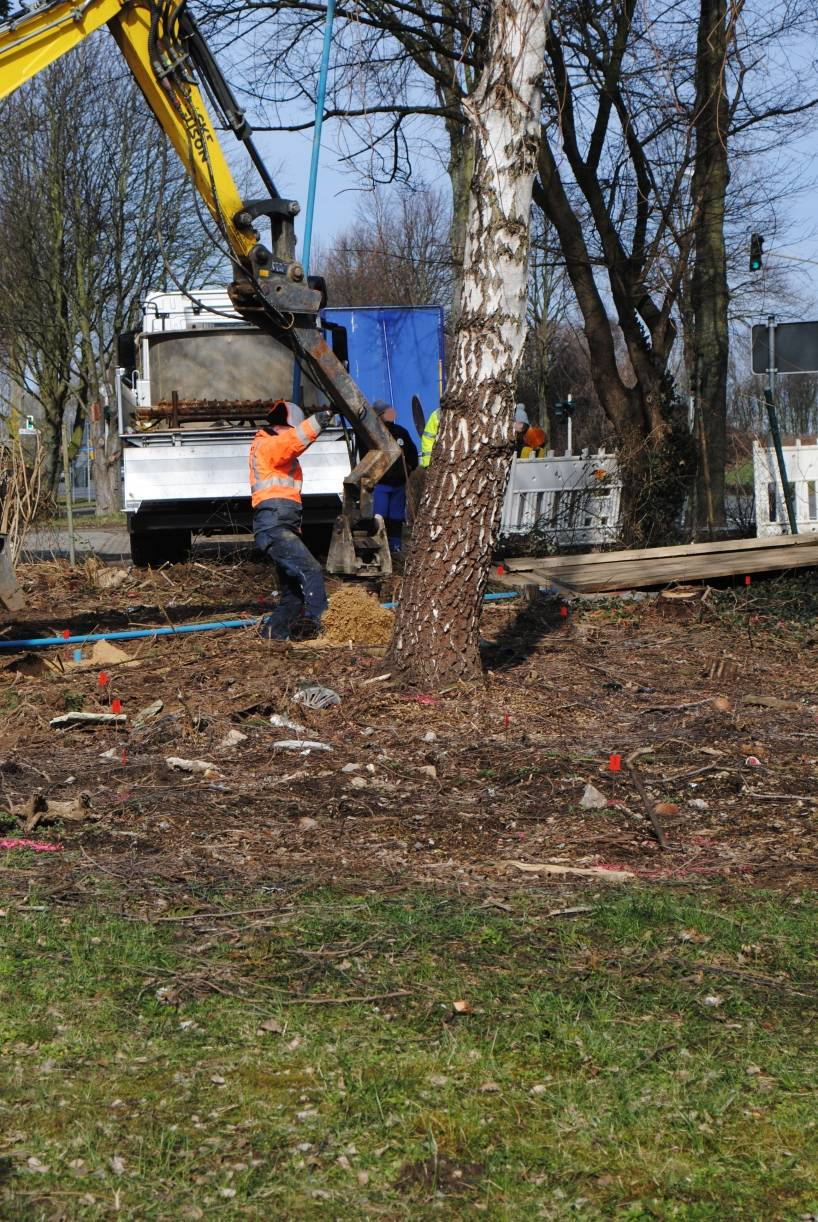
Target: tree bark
x,y
437,626
709,290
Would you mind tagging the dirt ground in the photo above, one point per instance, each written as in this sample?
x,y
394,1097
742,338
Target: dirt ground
x,y
715,707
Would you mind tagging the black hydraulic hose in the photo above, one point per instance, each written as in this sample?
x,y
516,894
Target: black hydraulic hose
x,y
219,89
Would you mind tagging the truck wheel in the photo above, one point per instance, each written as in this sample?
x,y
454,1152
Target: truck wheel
x,y
144,552
174,546
151,548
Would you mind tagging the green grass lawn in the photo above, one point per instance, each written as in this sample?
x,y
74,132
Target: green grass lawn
x,y
602,1068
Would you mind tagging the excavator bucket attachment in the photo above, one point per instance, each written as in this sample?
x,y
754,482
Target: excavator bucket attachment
x,y
360,549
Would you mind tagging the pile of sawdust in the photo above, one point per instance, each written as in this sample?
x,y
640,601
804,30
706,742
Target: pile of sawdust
x,y
355,615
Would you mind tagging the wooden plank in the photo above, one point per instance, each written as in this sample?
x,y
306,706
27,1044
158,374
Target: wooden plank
x,y
686,549
659,566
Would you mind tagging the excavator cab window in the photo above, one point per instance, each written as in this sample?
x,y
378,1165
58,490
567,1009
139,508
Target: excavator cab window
x,y
339,341
125,346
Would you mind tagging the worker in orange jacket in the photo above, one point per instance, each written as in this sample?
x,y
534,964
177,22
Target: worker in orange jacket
x,y
275,487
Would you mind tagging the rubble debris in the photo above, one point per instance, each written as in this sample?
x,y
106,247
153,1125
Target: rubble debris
x,y
40,809
103,653
182,765
105,578
316,697
302,744
284,723
547,867
78,718
592,799
31,664
773,702
150,710
233,738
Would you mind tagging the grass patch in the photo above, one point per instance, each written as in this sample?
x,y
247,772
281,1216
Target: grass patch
x,y
86,519
649,1058
741,476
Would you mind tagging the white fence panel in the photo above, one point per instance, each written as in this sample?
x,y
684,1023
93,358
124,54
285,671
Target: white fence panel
x,y
574,499
801,462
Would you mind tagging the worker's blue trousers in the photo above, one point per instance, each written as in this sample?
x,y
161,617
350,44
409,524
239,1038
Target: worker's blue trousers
x,y
276,526
389,501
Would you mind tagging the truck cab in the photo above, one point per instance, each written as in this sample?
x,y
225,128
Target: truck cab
x,y
193,386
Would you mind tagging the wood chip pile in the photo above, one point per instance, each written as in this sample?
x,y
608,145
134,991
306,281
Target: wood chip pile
x,y
354,615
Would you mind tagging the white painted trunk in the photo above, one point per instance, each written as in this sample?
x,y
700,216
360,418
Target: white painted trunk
x,y
436,634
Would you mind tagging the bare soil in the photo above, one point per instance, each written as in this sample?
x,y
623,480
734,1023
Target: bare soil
x,y
448,788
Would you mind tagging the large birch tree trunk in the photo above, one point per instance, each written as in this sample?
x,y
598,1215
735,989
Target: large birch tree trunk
x,y
436,632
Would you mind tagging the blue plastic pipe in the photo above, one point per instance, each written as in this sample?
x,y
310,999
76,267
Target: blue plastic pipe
x,y
316,150
316,136
130,634
135,634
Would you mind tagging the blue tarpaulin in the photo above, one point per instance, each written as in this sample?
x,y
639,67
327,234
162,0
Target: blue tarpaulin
x,y
395,352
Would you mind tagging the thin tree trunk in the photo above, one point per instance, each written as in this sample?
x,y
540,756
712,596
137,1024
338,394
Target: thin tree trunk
x,y
709,290
436,632
107,449
653,444
461,171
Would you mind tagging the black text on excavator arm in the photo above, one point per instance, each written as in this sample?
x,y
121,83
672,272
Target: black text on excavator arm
x,y
176,70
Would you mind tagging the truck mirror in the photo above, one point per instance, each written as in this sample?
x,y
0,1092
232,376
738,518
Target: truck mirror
x,y
126,350
320,285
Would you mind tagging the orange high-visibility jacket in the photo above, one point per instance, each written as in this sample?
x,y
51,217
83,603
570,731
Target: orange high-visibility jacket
x,y
275,472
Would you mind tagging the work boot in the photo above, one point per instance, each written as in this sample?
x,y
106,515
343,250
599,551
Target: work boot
x,y
306,630
271,631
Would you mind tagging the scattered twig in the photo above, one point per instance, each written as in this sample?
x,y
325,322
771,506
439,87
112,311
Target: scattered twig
x,y
768,982
781,797
218,915
345,1001
657,1052
648,804
675,708
688,776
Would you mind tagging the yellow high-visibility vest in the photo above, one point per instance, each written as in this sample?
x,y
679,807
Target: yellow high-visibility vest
x,y
429,438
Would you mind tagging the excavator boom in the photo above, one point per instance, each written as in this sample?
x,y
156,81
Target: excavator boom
x,y
175,69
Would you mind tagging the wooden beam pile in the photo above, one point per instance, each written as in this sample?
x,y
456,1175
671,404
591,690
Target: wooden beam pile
x,y
657,566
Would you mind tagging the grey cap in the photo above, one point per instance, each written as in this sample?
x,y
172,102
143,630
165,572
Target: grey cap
x,y
379,406
520,414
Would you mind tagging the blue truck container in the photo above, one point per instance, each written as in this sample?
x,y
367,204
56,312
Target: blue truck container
x,y
395,352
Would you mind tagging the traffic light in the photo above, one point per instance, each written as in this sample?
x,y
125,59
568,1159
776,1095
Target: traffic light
x,y
756,251
564,408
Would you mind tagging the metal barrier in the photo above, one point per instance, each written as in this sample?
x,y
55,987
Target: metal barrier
x,y
801,461
572,499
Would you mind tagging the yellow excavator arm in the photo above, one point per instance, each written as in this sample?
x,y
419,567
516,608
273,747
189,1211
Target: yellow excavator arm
x,y
32,40
175,69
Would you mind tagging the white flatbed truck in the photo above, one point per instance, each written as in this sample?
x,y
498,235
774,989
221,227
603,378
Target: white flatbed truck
x,y
193,386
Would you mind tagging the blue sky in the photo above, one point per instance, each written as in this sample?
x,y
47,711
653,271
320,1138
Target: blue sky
x,y
341,189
